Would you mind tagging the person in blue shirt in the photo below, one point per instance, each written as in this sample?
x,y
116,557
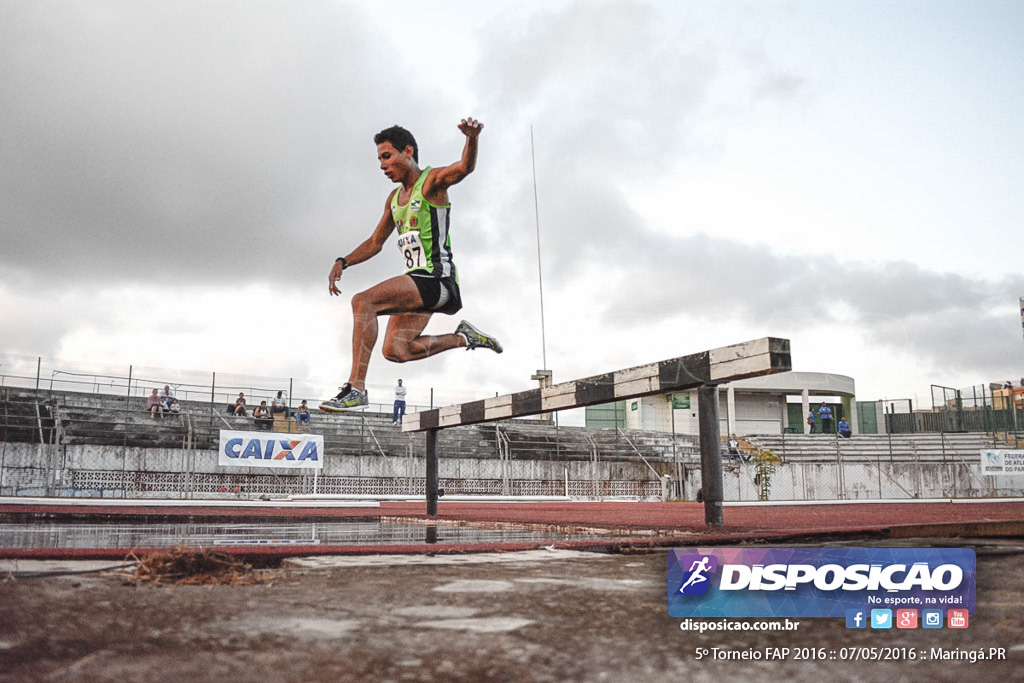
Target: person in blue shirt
x,y
825,413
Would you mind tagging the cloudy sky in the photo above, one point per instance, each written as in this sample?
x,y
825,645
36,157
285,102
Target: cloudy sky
x,y
177,177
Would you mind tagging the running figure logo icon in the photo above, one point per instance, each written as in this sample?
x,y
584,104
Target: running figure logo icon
x,y
696,581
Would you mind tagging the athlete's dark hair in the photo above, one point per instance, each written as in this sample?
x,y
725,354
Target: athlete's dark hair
x,y
399,138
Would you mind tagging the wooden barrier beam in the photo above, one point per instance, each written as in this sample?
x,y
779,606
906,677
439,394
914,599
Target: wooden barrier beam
x,y
765,356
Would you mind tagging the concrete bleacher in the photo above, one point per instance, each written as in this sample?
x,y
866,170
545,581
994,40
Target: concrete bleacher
x,y
922,446
70,418
105,420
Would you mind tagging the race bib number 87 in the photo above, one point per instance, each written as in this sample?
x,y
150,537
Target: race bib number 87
x,y
411,250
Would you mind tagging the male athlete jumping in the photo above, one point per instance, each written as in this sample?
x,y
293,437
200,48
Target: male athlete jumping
x,y
419,209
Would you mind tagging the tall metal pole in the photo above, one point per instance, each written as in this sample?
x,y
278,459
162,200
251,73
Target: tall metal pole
x,y
675,453
124,451
213,399
540,273
710,454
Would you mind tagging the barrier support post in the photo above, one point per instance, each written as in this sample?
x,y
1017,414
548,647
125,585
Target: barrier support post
x,y
710,453
432,472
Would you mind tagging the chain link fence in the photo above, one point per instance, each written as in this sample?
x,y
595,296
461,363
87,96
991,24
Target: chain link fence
x,y
867,467
81,430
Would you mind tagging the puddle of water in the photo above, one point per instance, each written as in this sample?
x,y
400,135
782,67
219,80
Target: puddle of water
x,y
63,535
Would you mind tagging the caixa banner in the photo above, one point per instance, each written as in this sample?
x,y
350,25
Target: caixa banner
x,y
817,582
269,449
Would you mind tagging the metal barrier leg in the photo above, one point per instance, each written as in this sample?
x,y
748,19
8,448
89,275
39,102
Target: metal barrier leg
x,y
432,472
710,454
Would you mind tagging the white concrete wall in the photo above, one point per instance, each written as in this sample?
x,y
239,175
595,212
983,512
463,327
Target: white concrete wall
x,y
26,465
864,481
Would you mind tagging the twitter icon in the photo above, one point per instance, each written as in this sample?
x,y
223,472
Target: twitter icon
x,y
881,618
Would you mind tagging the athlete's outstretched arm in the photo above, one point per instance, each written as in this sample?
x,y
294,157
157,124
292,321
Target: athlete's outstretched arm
x,y
369,248
441,178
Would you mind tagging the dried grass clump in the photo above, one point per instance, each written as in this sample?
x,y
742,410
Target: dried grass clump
x,y
183,566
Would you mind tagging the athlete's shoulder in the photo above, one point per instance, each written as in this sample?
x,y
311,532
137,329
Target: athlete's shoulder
x,y
433,186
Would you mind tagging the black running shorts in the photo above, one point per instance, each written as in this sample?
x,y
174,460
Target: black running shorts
x,y
439,294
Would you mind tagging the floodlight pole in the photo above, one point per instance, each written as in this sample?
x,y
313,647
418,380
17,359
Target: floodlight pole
x,y
543,375
540,270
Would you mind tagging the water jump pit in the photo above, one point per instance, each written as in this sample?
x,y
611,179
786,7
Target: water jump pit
x,y
373,531
62,529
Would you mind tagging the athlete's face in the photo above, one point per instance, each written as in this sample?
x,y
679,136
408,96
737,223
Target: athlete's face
x,y
396,165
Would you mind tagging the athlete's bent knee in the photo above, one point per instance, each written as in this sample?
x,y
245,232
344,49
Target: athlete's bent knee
x,y
360,302
396,352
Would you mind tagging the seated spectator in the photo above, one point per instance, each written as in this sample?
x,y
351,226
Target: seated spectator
x,y
735,451
175,407
167,395
279,405
302,414
844,428
155,406
239,407
263,420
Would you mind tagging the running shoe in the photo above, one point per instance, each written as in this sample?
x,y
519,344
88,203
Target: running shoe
x,y
475,339
348,398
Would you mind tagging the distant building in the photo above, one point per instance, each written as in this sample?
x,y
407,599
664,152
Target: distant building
x,y
761,405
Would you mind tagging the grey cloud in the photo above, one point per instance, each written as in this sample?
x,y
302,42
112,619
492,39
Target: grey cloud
x,y
779,85
949,320
617,93
608,80
209,139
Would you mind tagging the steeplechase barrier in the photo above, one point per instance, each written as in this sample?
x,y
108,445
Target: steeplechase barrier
x,y
703,371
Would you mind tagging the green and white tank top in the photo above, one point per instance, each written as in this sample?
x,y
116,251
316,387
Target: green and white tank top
x,y
423,239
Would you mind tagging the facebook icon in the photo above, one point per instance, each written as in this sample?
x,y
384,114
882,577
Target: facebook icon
x,y
855,618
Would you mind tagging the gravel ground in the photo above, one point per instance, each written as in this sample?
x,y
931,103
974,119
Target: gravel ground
x,y
542,615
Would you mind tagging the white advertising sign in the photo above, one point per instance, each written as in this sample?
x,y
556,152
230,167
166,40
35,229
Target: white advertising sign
x,y
270,449
1002,461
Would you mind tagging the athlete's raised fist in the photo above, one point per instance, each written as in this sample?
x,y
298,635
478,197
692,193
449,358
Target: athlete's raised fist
x,y
471,127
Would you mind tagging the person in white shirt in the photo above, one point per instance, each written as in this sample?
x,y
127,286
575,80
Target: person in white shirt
x,y
399,411
167,396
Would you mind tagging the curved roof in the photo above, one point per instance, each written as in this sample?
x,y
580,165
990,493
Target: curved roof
x,y
796,382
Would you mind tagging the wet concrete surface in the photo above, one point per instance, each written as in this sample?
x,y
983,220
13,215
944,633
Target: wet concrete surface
x,y
540,615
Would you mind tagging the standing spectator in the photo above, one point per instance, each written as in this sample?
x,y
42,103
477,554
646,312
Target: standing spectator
x,y
262,415
302,414
167,395
825,413
155,406
399,411
810,422
844,428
